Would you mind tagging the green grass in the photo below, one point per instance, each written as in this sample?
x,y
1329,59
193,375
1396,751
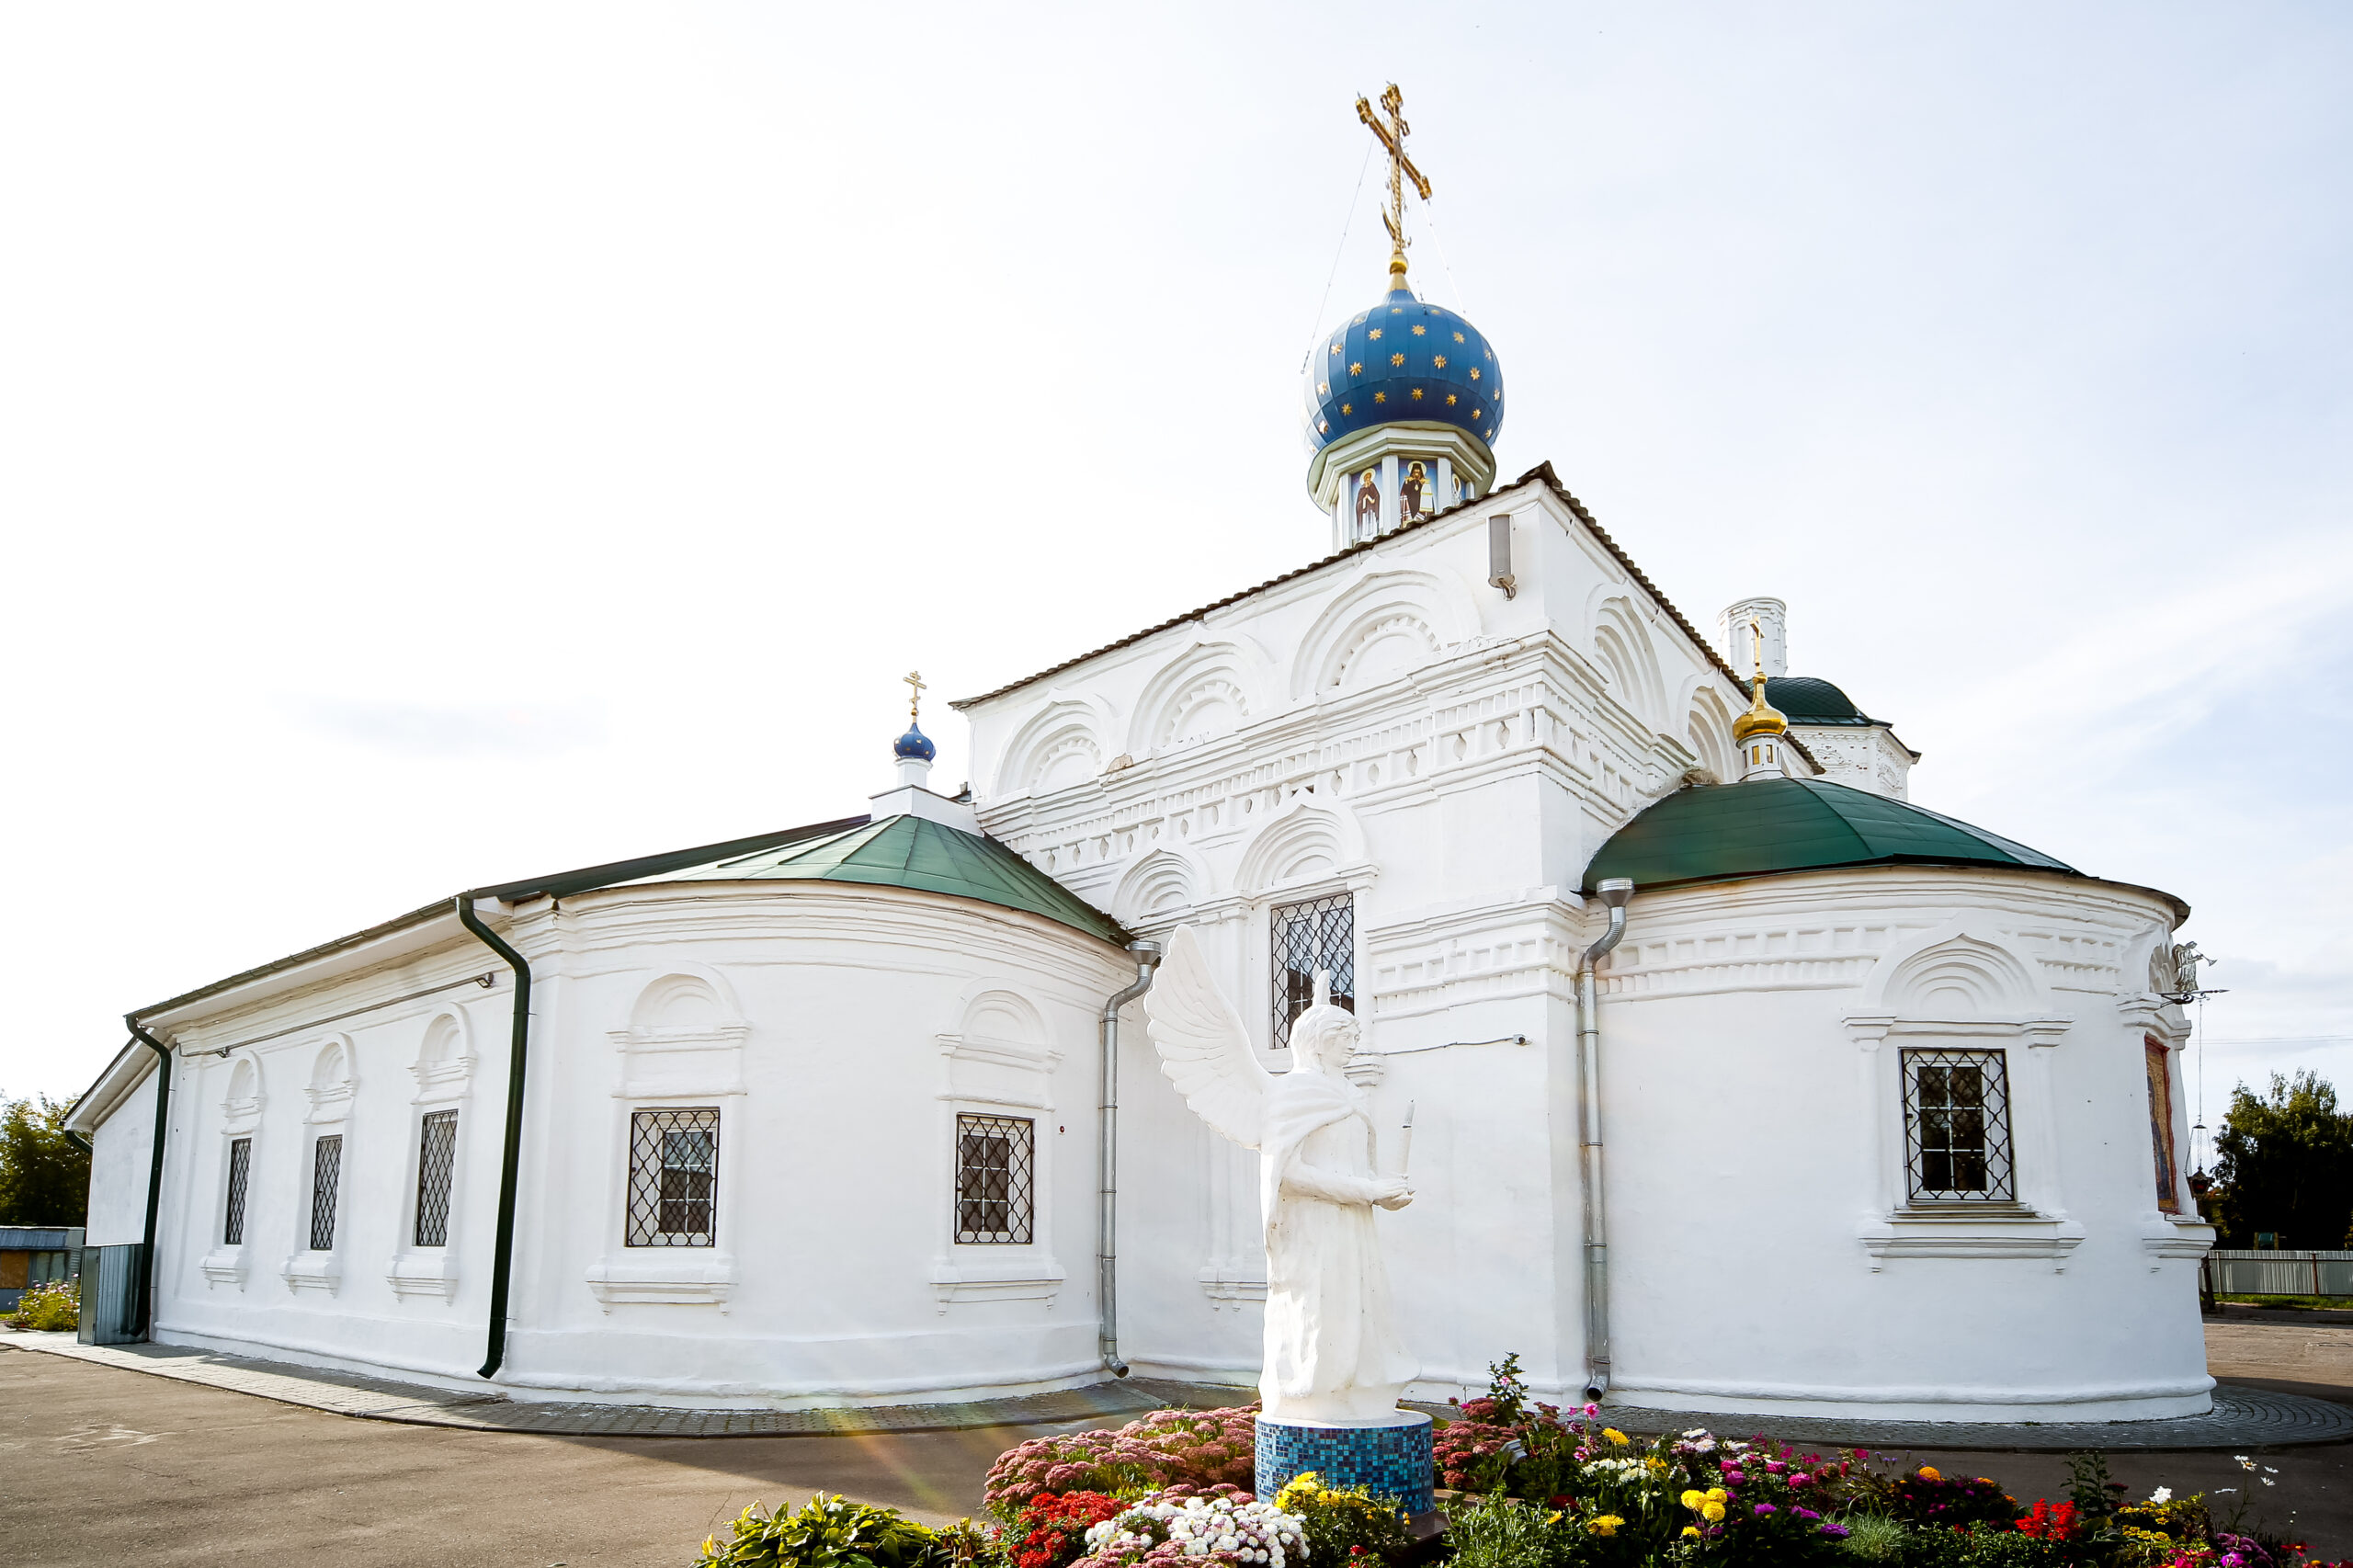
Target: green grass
x,y
2336,1303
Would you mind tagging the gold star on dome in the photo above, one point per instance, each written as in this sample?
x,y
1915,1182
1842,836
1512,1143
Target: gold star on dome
x,y
1322,387
1335,350
1474,414
1396,359
1356,367
1380,397
1458,337
1374,334
1323,427
1449,399
1417,394
1396,309
1491,354
1347,408
1438,362
1358,322
1419,330
1474,372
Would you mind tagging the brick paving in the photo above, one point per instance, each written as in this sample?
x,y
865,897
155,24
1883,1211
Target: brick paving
x,y
2243,1416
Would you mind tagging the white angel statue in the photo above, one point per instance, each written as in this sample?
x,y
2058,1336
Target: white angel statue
x,y
1332,1357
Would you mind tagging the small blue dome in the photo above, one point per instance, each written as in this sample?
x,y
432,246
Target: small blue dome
x,y
1402,360
914,744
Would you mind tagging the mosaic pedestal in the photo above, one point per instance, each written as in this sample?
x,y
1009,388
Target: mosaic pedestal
x,y
1390,1459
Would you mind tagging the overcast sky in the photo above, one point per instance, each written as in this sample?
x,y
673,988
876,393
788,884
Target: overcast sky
x,y
446,444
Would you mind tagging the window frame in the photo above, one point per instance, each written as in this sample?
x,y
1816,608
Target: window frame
x,y
237,1190
645,1204
1998,1141
1019,1199
427,1169
1283,1007
329,1181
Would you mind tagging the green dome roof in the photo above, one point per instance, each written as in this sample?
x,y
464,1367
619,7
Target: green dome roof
x,y
1715,831
1805,699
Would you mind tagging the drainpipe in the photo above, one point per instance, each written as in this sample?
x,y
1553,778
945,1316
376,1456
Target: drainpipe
x,y
503,1253
154,1171
1614,891
1106,1161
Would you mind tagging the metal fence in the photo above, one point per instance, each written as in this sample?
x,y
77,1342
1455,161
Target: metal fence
x,y
113,1282
2278,1273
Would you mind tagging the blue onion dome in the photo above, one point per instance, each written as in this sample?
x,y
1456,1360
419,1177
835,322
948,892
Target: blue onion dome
x,y
914,746
1403,361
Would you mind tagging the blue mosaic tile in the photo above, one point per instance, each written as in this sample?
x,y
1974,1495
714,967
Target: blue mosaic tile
x,y
1389,1461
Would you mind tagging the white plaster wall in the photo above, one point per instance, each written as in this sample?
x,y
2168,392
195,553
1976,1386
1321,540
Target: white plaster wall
x,y
121,1151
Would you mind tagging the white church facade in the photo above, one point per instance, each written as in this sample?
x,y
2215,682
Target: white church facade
x,y
1875,1112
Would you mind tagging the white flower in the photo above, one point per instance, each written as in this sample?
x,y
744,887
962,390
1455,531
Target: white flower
x,y
2162,1495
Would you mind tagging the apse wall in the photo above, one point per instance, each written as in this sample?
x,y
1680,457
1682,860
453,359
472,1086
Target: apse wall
x,y
1755,1042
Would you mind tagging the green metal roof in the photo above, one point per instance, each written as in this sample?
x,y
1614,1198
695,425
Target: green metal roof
x,y
1807,700
1719,830
908,852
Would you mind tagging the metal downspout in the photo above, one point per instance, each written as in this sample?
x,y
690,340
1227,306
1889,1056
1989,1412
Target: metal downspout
x,y
509,1170
154,1171
1613,892
1106,1161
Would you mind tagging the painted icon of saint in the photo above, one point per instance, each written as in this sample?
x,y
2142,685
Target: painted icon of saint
x,y
1368,503
1412,492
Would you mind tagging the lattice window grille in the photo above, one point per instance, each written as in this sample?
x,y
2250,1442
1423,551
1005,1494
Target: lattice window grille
x,y
673,1179
1320,934
326,1178
1957,1127
436,1158
996,1162
241,1164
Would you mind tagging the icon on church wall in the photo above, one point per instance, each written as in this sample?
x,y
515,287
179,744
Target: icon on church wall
x,y
1368,503
1413,493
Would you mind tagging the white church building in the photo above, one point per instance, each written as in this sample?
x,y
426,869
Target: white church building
x,y
1876,1113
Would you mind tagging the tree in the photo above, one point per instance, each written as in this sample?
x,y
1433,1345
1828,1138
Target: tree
x,y
2284,1162
44,1174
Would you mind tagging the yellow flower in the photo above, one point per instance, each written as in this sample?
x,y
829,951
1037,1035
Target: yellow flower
x,y
1655,1465
1615,1435
1928,1472
1691,1529
1554,1517
1695,1499
1603,1524
1714,1513
1718,1494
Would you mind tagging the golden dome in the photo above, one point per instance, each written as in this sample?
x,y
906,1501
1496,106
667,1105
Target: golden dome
x,y
1762,718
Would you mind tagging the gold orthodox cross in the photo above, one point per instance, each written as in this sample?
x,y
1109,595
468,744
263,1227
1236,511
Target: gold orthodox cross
x,y
915,694
1401,169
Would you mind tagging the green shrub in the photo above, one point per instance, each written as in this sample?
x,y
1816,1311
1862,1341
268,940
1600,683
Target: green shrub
x,y
1875,1538
51,1306
1495,1532
826,1532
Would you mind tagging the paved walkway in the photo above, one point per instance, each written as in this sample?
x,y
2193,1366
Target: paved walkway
x,y
2246,1415
383,1399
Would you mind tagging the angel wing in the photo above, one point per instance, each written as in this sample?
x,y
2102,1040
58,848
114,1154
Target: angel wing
x,y
1203,1049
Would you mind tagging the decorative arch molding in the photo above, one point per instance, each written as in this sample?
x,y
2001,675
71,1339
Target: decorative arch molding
x,y
334,1078
685,1036
1369,632
1304,842
444,1067
1158,890
1629,660
1209,689
1958,972
1063,743
1708,731
241,1100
